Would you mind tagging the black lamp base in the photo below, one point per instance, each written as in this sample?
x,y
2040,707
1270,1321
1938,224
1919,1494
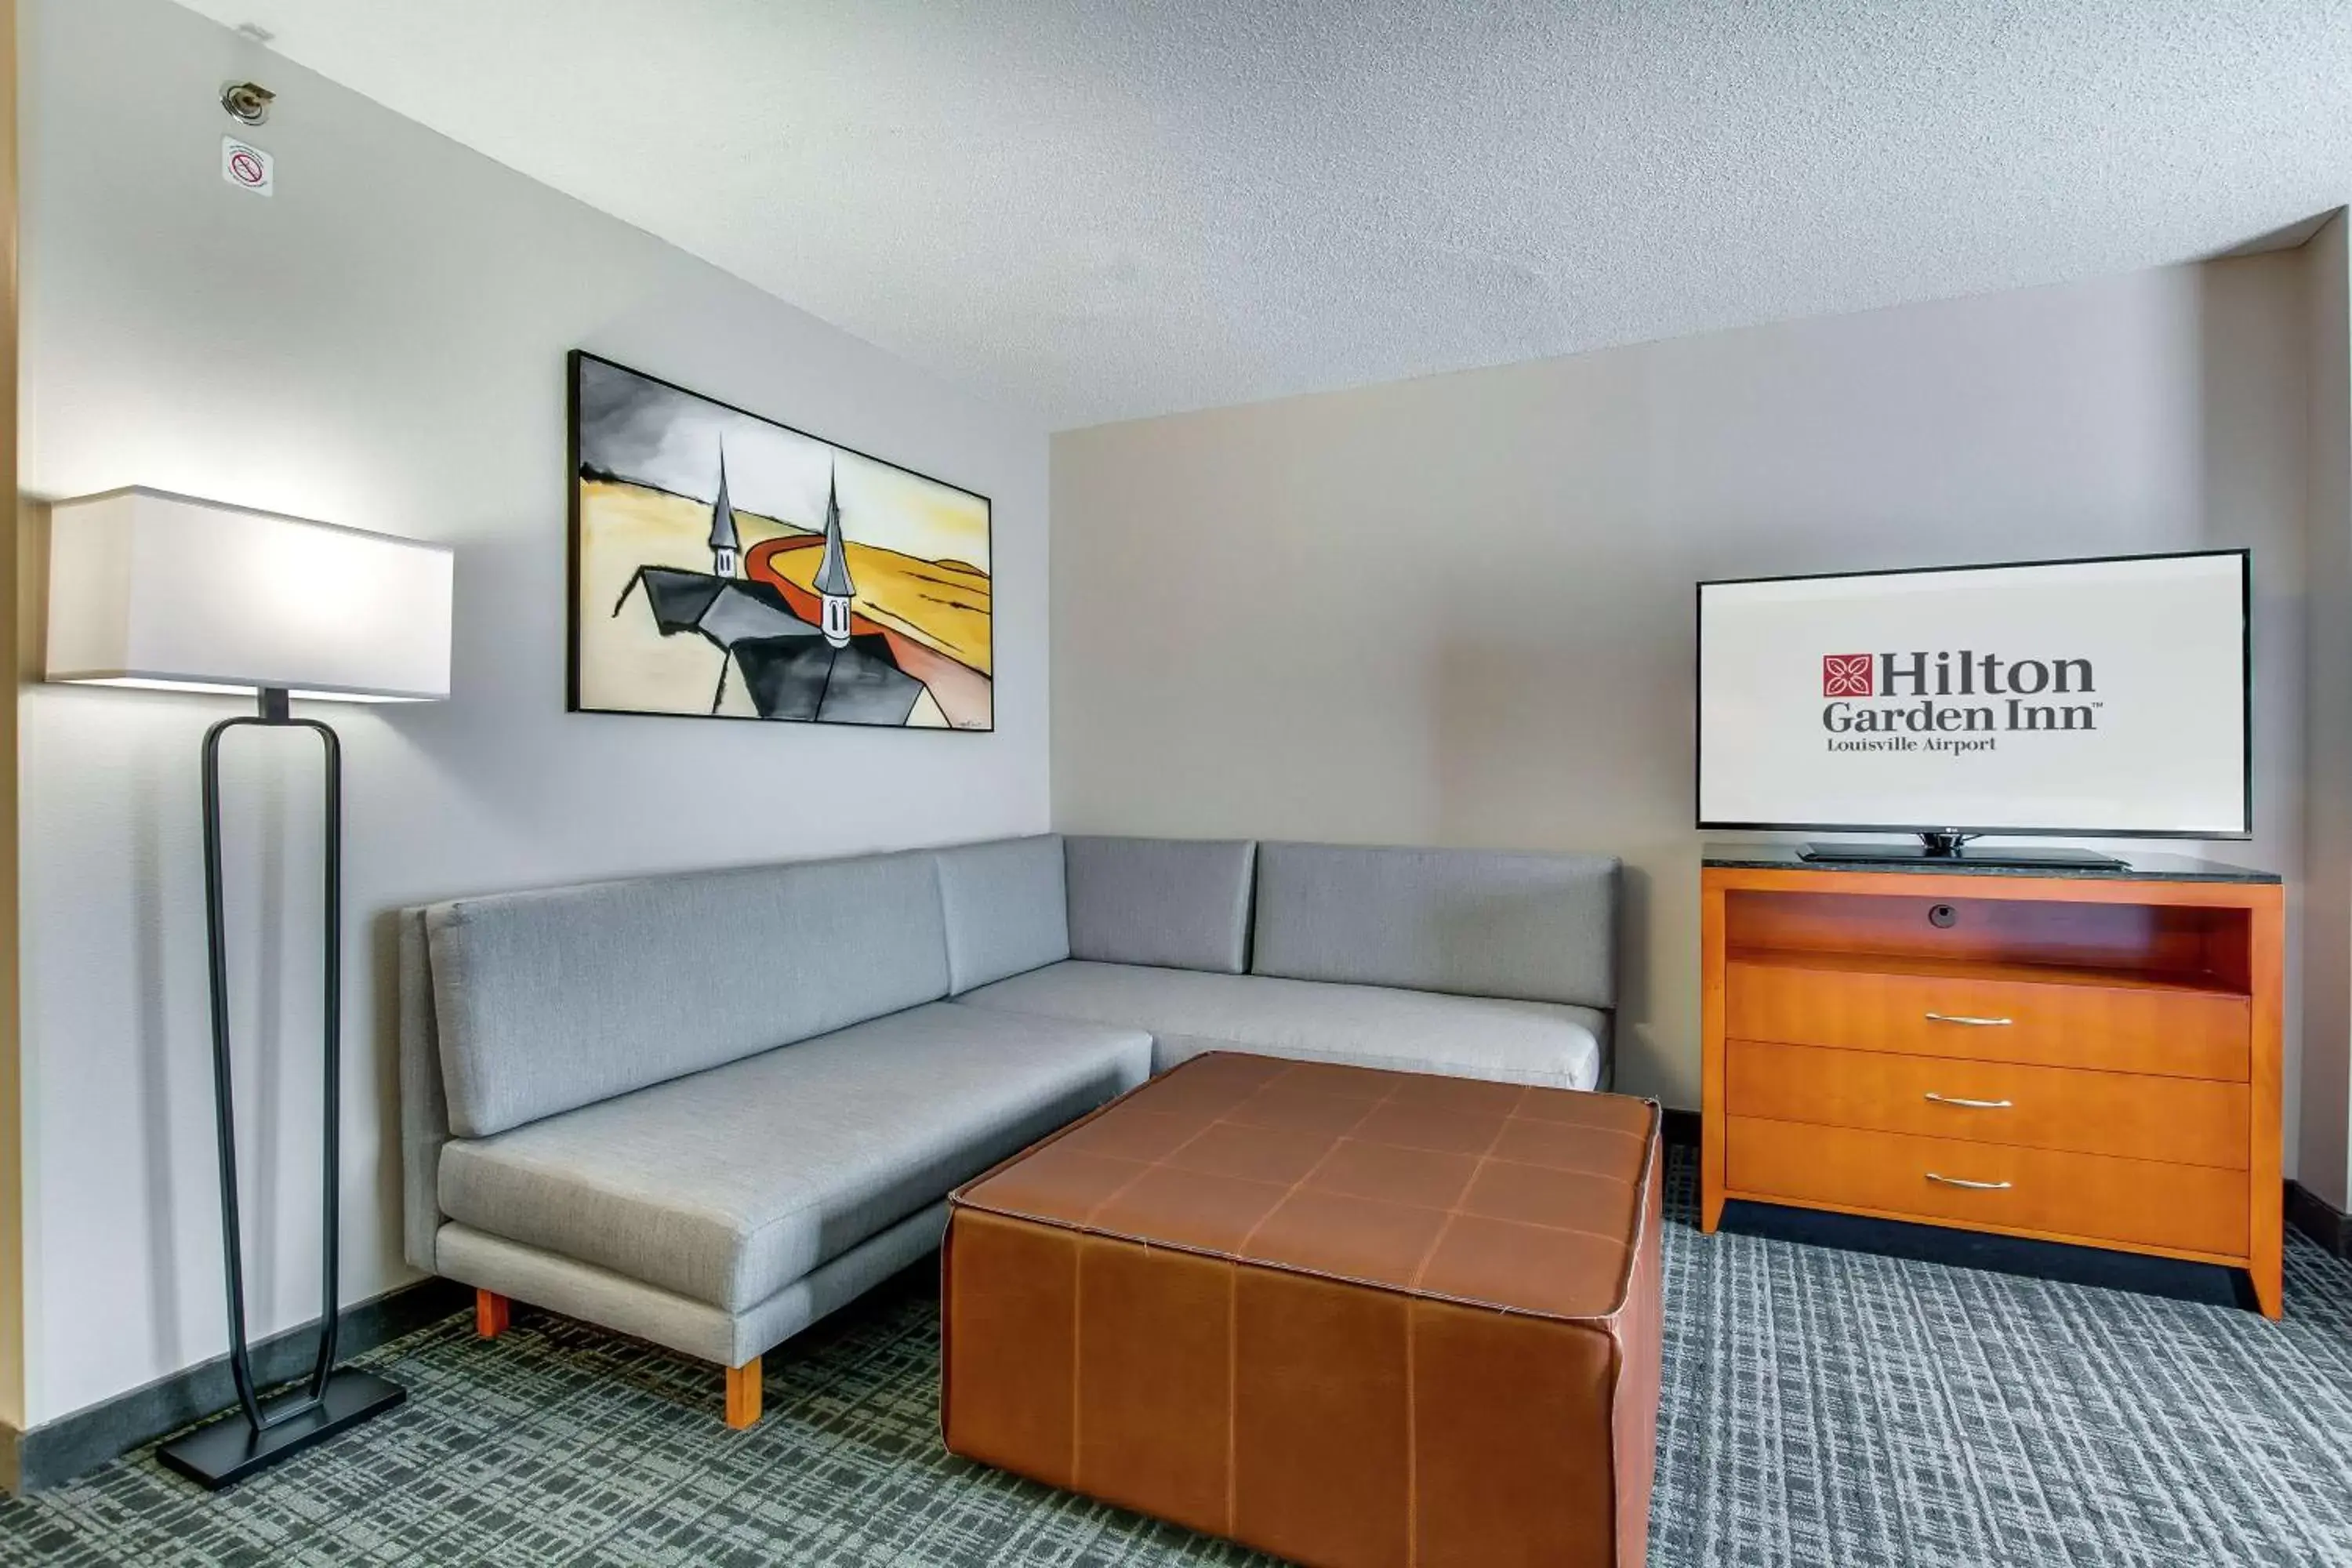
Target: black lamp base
x,y
227,1451
251,1437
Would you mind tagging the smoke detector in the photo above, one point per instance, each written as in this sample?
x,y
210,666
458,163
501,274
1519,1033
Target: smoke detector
x,y
248,103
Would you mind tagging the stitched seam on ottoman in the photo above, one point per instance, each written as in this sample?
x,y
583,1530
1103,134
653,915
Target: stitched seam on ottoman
x,y
1413,1287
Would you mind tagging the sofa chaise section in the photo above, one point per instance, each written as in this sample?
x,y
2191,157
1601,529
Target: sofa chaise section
x,y
725,1188
707,1109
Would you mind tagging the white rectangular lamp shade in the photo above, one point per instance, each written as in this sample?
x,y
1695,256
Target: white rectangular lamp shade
x,y
155,590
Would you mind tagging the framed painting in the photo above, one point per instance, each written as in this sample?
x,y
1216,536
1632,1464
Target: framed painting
x,y
725,566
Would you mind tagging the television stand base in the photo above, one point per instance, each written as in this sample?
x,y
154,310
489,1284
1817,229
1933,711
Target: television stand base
x,y
1936,849
1863,1027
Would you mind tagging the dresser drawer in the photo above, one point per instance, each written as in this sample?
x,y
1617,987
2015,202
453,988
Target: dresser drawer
x,y
2167,1030
2045,1192
2182,1120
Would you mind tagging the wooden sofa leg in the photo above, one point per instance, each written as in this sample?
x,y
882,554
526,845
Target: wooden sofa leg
x,y
743,1394
492,1313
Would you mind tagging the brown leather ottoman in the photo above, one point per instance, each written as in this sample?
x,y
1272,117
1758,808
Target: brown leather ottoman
x,y
1342,1315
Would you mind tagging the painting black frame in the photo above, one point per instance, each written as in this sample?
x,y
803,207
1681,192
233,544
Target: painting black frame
x,y
572,704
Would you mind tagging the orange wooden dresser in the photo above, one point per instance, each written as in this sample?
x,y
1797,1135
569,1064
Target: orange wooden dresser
x,y
2089,1057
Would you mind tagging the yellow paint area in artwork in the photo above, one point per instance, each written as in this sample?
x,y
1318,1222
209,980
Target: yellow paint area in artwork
x,y
942,604
625,662
893,509
624,526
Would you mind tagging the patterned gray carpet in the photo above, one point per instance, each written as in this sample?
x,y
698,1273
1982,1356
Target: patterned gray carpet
x,y
1821,1407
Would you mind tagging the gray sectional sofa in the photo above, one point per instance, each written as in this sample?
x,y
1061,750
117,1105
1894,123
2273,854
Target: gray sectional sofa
x,y
707,1109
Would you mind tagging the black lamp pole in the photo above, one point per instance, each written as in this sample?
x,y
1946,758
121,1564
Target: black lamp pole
x,y
254,1436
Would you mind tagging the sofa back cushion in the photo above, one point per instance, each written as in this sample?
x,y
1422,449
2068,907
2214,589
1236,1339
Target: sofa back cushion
x,y
1006,907
1174,903
552,999
1541,927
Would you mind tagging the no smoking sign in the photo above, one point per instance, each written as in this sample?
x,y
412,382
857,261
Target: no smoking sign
x,y
246,166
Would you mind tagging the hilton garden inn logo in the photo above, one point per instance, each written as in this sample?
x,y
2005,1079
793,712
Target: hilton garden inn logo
x,y
1901,696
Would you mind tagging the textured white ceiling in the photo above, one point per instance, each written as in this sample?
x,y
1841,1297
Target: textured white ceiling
x,y
1109,209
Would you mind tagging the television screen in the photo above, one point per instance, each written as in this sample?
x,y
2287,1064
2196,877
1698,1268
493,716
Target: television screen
x,y
2104,698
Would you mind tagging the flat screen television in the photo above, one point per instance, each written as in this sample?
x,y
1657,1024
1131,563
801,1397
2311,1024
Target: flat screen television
x,y
2097,699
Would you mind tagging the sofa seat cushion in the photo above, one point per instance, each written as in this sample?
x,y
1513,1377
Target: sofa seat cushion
x,y
1189,1013
729,1186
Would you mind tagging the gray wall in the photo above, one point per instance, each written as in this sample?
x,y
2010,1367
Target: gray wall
x,y
1458,610
2328,927
380,344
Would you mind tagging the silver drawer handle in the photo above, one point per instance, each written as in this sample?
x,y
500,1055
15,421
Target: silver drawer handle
x,y
1971,1104
1972,1023
1973,1186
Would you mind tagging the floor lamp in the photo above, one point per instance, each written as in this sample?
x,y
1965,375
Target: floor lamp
x,y
165,591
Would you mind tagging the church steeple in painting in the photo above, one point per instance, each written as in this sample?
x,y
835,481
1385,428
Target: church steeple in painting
x,y
833,585
726,550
